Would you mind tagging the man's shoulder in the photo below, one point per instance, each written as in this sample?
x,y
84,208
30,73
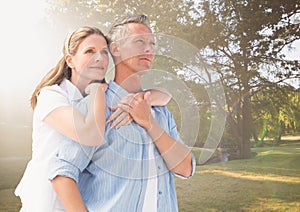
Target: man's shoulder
x,y
162,110
114,92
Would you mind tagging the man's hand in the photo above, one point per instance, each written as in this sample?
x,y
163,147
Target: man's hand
x,y
140,110
119,117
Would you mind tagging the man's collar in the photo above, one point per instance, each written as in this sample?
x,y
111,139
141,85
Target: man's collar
x,y
117,89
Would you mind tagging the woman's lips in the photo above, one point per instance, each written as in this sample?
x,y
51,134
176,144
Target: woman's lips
x,y
97,67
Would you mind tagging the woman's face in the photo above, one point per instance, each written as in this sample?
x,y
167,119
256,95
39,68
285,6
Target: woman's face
x,y
90,61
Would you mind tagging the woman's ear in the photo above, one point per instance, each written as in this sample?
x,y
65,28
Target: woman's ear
x,y
69,61
114,49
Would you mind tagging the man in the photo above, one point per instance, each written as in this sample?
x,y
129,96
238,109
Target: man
x,y
133,169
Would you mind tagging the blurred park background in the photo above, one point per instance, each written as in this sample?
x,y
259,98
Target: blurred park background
x,y
238,64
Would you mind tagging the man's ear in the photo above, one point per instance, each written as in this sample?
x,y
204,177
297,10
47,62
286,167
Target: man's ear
x,y
114,49
69,61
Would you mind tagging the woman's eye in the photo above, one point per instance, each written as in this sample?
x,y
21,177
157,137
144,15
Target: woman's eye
x,y
90,51
140,41
105,52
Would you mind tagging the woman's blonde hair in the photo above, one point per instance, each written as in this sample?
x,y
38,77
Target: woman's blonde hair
x,y
62,71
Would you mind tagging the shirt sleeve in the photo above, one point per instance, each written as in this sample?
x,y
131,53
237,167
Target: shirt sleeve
x,y
173,132
70,160
71,157
50,98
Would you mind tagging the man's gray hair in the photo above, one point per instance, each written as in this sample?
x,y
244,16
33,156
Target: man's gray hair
x,y
119,29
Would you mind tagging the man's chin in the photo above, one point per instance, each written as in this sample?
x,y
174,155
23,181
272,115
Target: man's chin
x,y
146,67
143,71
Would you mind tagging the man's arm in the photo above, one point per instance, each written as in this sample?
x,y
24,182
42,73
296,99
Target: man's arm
x,y
176,155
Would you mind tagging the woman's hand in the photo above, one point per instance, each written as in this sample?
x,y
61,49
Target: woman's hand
x,y
93,87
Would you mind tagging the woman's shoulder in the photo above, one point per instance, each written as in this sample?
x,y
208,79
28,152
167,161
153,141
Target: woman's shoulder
x,y
49,98
52,93
52,90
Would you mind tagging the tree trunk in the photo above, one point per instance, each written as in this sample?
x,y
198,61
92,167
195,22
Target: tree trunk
x,y
278,137
235,132
246,129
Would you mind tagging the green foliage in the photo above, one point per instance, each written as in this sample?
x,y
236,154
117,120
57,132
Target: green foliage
x,y
280,106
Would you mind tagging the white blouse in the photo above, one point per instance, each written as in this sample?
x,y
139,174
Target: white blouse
x,y
34,189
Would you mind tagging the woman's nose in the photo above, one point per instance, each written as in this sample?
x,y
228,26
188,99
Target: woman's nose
x,y
98,56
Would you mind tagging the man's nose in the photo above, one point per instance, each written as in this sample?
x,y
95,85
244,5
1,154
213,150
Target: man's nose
x,y
149,48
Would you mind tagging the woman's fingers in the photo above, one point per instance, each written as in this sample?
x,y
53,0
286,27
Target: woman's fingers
x,y
121,115
115,114
121,120
124,120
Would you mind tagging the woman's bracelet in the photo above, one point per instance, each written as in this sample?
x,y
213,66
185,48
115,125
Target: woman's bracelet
x,y
98,81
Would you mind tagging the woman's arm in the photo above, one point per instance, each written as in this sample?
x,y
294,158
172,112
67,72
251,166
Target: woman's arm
x,y
157,97
87,130
68,194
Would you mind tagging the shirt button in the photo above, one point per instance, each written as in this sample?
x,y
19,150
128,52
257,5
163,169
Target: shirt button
x,y
158,167
159,192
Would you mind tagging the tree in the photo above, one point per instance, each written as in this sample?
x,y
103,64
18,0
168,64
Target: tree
x,y
277,105
242,40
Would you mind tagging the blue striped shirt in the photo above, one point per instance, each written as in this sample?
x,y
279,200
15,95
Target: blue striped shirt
x,y
113,176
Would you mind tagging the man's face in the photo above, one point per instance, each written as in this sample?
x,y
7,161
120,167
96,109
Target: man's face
x,y
137,50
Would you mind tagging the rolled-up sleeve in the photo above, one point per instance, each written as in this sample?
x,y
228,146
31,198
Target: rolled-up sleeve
x,y
70,159
193,169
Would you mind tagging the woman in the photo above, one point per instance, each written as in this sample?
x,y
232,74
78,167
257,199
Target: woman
x,y
79,72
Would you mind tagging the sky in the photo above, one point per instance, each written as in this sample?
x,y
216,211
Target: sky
x,y
28,50
27,53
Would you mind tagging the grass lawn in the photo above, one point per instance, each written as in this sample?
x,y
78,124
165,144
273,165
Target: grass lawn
x,y
268,182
